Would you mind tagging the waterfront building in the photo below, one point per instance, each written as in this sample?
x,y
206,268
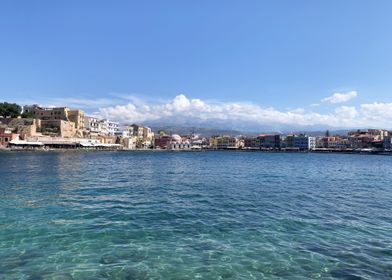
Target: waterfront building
x,y
65,143
162,142
269,141
112,127
339,143
136,130
103,127
198,144
144,135
129,143
369,135
148,137
378,133
108,139
61,128
213,141
301,142
288,141
226,142
387,143
108,127
60,121
252,142
354,142
56,113
363,141
323,142
77,117
92,124
181,146
178,143
6,136
25,127
122,134
311,143
377,144
147,133
47,114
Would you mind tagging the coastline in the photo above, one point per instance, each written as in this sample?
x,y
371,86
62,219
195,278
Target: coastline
x,y
317,151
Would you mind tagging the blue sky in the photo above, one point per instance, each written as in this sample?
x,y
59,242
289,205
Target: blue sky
x,y
285,55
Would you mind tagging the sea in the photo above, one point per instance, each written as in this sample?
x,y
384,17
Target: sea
x,y
195,215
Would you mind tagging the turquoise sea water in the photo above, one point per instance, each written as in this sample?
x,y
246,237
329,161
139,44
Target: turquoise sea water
x,y
202,215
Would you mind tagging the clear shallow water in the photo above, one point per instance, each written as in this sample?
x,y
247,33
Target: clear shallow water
x,y
209,215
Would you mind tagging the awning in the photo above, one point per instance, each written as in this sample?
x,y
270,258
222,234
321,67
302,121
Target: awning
x,y
25,143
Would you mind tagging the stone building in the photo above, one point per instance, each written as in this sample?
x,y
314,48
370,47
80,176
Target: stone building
x,y
77,117
60,121
24,127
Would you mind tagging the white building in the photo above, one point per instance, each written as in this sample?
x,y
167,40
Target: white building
x,y
112,127
304,142
101,126
177,143
92,124
107,127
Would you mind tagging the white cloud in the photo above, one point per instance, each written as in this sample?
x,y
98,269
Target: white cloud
x,y
346,112
376,111
84,103
298,110
340,97
200,110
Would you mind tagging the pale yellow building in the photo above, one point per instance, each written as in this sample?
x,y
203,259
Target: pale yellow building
x,y
77,117
59,120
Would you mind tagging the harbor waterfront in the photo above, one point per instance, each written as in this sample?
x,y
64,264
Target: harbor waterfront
x,y
33,127
220,215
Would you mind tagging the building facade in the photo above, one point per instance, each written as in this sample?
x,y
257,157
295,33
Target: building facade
x,y
6,136
144,136
387,143
304,142
58,120
269,141
92,124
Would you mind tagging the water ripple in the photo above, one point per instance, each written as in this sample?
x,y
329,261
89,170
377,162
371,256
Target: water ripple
x,y
220,215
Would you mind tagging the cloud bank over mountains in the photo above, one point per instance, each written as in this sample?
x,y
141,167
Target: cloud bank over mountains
x,y
240,115
336,111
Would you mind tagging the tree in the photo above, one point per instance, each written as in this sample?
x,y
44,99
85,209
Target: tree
x,y
28,115
12,110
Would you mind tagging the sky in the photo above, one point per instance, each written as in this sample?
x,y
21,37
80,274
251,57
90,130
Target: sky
x,y
284,62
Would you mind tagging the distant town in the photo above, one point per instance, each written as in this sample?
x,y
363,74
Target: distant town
x,y
33,127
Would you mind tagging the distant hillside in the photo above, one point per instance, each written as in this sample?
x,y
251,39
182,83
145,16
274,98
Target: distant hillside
x,y
208,132
205,132
214,126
